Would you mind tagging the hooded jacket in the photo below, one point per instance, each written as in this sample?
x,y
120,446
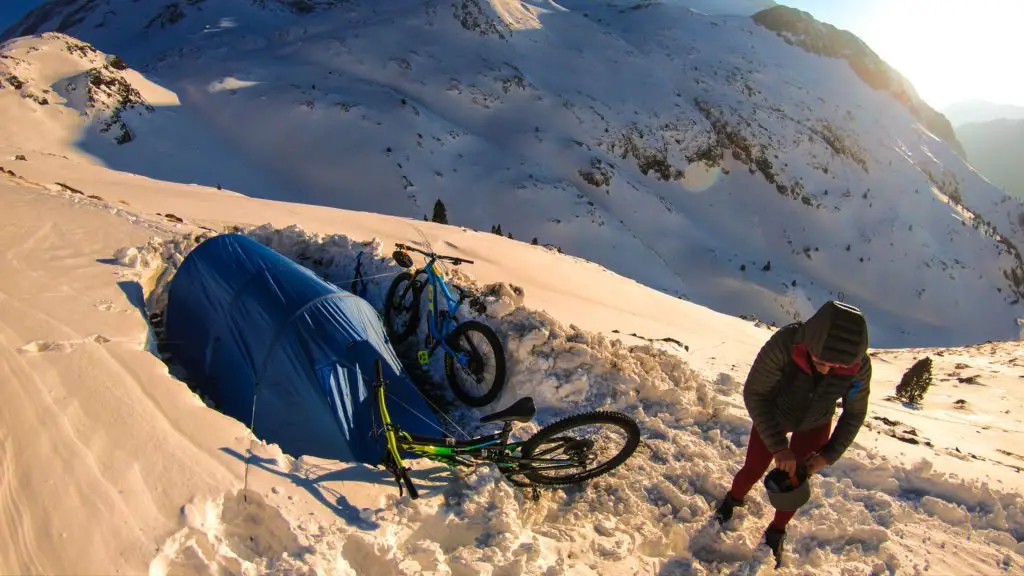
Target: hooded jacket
x,y
783,393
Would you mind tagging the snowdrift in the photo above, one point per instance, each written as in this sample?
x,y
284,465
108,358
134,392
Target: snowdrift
x,y
867,514
271,343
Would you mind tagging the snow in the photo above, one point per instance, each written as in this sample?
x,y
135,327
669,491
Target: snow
x,y
158,455
110,463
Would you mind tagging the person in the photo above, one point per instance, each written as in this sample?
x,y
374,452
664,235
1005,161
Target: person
x,y
794,384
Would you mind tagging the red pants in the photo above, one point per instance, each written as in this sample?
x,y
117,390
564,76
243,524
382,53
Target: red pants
x,y
759,459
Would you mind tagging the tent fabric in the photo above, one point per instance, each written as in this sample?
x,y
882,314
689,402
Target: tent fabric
x,y
244,320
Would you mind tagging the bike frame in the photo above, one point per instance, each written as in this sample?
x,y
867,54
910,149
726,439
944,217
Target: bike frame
x,y
439,328
447,450
494,448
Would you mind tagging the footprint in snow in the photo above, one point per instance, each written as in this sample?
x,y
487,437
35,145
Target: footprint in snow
x,y
236,533
61,345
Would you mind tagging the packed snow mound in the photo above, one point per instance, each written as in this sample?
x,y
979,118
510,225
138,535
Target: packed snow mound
x,y
868,513
695,152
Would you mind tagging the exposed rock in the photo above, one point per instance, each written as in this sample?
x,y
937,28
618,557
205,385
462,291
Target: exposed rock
x,y
474,18
600,174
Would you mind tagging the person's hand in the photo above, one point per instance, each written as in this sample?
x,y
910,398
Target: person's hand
x,y
786,460
815,462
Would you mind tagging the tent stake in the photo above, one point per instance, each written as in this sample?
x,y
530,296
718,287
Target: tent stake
x,y
252,431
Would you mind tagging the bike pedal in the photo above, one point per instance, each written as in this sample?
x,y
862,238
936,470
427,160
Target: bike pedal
x,y
423,357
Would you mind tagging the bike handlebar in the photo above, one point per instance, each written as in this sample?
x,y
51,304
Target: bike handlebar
x,y
453,259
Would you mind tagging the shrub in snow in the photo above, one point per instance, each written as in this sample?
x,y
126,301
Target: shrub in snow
x,y
915,382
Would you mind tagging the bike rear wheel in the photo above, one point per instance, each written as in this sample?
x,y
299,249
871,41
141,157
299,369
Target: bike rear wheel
x,y
402,308
481,379
580,447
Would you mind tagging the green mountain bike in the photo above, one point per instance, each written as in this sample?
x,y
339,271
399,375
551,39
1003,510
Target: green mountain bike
x,y
474,359
570,451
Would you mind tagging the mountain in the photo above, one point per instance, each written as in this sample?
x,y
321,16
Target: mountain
x,y
995,149
978,111
801,29
696,152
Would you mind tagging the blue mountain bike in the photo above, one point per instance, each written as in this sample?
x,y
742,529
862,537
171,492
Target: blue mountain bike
x,y
474,359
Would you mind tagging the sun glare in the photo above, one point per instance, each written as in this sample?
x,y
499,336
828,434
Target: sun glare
x,y
952,50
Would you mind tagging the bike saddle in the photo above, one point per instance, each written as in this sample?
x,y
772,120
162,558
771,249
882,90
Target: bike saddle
x,y
522,411
402,258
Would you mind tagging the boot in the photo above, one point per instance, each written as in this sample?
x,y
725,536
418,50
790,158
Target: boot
x,y
775,538
724,512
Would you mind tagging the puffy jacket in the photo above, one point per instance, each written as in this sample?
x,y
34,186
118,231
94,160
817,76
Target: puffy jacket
x,y
783,393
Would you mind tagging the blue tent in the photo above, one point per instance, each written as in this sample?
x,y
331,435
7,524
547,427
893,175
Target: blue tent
x,y
242,319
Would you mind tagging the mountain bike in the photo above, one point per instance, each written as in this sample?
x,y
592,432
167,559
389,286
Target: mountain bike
x,y
471,348
541,459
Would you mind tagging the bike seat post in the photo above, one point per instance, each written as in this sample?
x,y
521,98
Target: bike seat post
x,y
379,383
506,432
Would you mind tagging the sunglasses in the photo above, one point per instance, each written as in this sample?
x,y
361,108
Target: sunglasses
x,y
839,365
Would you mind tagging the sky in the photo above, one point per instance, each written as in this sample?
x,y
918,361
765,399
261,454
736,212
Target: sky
x,y
950,50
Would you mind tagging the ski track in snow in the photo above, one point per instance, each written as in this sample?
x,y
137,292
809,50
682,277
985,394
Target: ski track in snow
x,y
651,516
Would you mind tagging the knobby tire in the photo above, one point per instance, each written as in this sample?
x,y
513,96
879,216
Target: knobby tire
x,y
497,352
615,419
390,308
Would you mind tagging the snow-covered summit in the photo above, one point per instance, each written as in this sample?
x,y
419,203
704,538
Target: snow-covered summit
x,y
689,148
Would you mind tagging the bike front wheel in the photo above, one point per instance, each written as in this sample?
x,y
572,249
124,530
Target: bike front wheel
x,y
477,374
402,308
579,448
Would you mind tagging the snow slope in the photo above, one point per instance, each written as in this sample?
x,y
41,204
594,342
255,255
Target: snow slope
x,y
111,464
676,143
